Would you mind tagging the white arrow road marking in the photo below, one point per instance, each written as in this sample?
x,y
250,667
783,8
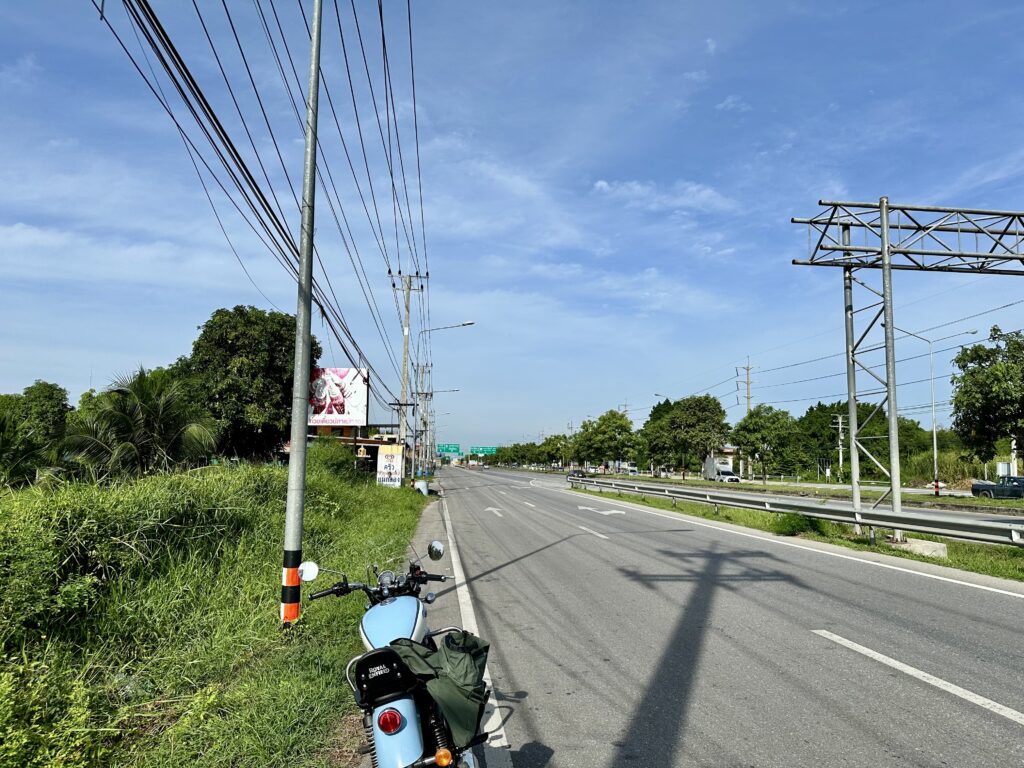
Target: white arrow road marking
x,y
604,512
956,690
529,504
494,510
599,535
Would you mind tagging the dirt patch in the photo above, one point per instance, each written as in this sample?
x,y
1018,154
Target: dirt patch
x,y
346,741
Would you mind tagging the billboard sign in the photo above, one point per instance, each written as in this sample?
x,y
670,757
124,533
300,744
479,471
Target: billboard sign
x,y
389,466
339,397
448,448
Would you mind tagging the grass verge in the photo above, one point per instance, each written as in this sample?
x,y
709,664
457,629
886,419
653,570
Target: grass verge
x,y
990,559
139,622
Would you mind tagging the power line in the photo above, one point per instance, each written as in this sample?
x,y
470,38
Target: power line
x,y
280,240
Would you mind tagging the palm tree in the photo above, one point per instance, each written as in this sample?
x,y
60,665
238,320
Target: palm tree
x,y
141,424
19,453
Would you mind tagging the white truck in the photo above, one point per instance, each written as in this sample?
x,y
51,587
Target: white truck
x,y
720,469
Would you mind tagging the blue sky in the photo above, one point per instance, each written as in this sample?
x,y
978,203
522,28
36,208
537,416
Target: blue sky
x,y
607,192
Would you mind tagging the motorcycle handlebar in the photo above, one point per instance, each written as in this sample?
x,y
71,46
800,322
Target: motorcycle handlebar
x,y
340,589
343,588
323,593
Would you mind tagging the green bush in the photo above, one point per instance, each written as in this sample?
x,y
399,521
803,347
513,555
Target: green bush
x,y
791,524
138,624
334,456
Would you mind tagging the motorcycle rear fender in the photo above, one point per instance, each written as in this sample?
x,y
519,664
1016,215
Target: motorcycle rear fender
x,y
404,747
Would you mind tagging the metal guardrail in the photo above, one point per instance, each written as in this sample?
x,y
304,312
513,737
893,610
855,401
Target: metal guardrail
x,y
958,526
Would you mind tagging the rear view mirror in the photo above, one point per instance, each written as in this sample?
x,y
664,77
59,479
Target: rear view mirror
x,y
308,570
435,550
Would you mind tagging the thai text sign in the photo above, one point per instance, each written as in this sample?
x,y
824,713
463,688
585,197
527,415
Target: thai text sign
x,y
338,397
389,466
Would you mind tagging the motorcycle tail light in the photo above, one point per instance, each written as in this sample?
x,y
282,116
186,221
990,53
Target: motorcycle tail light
x,y
443,757
389,721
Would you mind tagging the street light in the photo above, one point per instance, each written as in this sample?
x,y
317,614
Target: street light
x,y
931,377
446,327
405,375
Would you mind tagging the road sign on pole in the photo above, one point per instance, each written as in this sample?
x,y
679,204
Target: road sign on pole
x,y
448,448
483,449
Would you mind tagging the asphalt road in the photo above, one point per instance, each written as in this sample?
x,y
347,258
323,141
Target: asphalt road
x,y
632,638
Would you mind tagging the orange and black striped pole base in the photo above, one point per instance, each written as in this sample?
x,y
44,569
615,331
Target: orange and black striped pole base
x,y
290,582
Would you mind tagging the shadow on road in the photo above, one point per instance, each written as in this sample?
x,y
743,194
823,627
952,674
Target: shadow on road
x,y
533,754
507,563
657,726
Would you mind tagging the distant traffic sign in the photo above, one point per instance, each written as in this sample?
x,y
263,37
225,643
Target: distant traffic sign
x,y
448,448
483,449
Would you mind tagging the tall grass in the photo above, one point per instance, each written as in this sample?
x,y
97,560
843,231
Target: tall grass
x,y
139,621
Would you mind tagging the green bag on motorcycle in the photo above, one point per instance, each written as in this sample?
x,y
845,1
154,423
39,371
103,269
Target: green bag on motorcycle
x,y
454,678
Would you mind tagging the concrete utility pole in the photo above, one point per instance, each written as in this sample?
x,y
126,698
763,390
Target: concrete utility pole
x,y
747,369
402,426
300,388
838,423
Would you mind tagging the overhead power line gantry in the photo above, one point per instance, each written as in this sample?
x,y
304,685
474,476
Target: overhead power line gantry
x,y
884,236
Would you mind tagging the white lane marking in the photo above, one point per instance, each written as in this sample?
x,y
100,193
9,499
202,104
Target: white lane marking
x,y
599,535
938,682
494,510
501,492
529,504
497,746
604,512
936,577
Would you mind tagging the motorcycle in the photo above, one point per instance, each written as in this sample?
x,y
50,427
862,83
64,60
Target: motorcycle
x,y
413,717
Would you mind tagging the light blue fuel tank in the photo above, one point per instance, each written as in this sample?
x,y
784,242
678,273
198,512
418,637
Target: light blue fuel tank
x,y
396,617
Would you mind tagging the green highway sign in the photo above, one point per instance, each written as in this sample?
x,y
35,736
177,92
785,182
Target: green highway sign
x,y
483,449
448,448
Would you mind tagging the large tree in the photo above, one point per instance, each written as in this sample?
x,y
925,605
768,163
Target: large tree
x,y
988,393
700,424
46,411
765,434
240,370
20,454
608,438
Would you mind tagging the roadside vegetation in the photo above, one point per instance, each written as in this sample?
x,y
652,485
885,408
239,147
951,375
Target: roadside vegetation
x,y
139,619
678,435
990,559
141,538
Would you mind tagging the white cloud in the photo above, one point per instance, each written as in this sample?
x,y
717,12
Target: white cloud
x,y
712,46
696,76
733,103
20,73
682,195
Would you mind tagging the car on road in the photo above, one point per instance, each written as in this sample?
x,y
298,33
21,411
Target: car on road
x,y
1005,488
576,473
727,476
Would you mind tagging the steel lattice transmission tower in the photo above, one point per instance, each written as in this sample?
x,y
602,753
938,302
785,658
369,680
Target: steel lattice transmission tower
x,y
883,236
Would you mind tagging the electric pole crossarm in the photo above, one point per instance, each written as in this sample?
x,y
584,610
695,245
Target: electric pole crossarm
x,y
926,238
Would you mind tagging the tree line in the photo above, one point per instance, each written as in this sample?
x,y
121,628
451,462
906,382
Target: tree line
x,y
230,396
988,410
